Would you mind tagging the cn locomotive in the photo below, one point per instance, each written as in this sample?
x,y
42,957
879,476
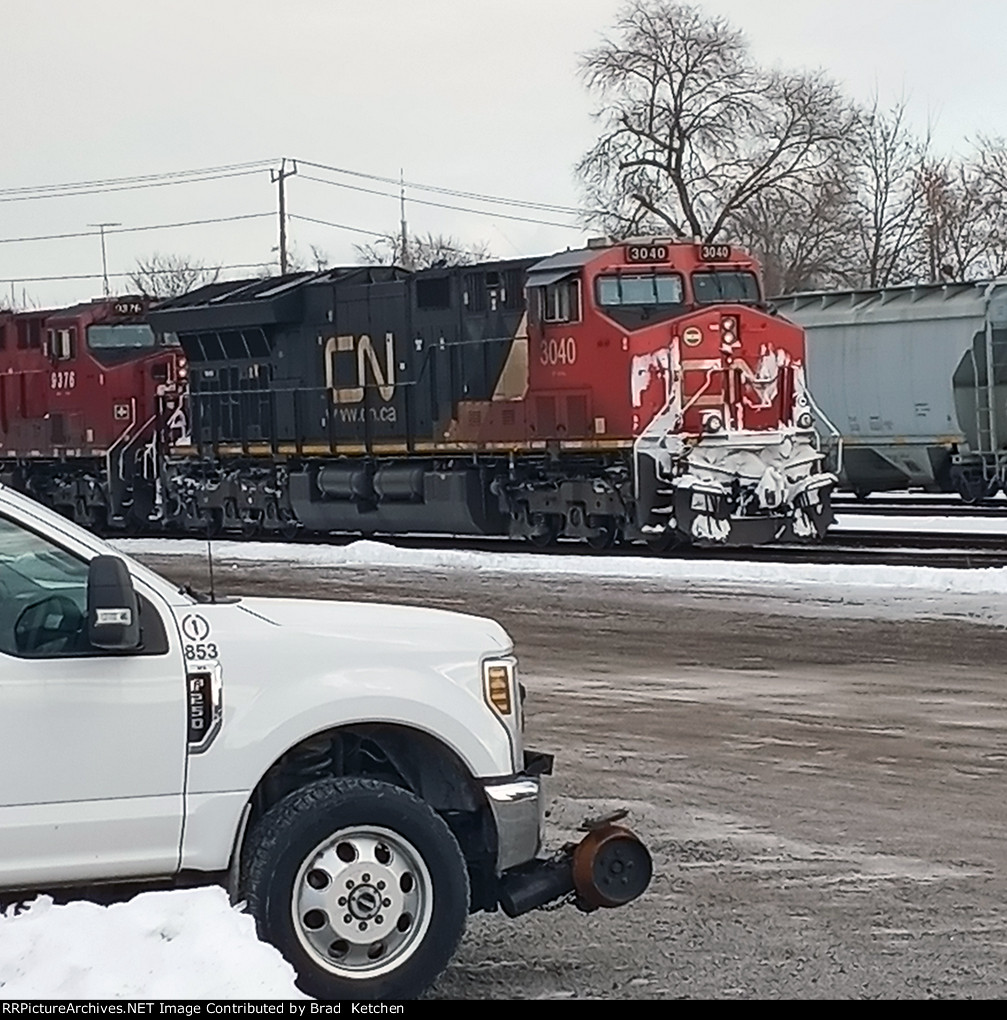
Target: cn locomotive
x,y
637,391
84,395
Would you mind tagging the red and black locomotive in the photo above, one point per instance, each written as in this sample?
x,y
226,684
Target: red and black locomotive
x,y
85,393
636,391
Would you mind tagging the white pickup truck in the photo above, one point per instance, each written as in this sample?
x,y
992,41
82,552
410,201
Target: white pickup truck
x,y
354,772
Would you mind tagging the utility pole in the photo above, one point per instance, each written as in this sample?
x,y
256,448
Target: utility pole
x,y
406,256
104,261
278,177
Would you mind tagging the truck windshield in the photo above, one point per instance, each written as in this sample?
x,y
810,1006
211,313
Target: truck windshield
x,y
105,338
725,285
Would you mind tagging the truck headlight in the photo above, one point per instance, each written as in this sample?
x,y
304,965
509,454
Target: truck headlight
x,y
498,685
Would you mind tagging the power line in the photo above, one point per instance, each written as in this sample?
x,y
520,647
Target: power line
x,y
338,226
138,179
135,272
475,196
444,205
132,187
132,230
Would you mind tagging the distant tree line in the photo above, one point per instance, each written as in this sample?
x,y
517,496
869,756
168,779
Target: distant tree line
x,y
699,140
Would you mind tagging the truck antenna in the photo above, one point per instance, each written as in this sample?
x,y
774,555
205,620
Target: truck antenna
x,y
209,559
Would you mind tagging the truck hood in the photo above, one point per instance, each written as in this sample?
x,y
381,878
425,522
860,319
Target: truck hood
x,y
411,627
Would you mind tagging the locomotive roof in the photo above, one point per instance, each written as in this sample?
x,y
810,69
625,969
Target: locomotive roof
x,y
231,304
555,267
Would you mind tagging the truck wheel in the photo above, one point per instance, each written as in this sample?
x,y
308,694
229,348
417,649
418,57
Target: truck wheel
x,y
360,885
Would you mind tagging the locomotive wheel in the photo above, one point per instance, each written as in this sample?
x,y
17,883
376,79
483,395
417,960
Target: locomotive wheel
x,y
545,536
250,528
291,526
666,542
608,534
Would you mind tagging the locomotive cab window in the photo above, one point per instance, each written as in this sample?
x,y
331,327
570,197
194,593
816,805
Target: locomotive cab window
x,y
640,289
132,337
726,285
62,344
560,302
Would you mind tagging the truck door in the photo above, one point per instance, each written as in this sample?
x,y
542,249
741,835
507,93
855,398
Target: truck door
x,y
92,743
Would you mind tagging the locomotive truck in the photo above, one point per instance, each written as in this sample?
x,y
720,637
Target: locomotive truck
x,y
355,772
635,391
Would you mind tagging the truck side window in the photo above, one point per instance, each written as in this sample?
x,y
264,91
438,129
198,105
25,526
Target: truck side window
x,y
43,600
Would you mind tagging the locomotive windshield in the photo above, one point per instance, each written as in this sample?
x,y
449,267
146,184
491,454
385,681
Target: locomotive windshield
x,y
640,289
725,285
122,337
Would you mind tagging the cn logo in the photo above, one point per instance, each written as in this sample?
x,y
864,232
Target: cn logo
x,y
384,377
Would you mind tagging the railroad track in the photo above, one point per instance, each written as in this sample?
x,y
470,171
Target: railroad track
x,y
919,506
869,548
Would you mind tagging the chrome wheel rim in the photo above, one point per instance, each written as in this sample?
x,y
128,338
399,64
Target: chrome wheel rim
x,y
362,902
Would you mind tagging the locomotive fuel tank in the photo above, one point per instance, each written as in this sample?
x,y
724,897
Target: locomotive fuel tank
x,y
902,373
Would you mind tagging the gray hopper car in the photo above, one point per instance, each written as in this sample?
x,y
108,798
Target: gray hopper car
x,y
901,379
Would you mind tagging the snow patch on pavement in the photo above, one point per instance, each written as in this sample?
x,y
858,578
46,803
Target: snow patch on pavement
x,y
677,572
183,944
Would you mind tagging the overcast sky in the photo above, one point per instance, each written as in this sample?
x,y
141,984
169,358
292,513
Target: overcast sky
x,y
470,95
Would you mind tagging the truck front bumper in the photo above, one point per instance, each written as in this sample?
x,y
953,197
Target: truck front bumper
x,y
518,808
609,867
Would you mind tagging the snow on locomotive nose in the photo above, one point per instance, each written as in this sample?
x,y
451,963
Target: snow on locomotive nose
x,y
724,445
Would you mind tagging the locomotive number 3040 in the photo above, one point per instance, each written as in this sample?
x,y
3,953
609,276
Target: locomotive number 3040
x,y
62,380
558,352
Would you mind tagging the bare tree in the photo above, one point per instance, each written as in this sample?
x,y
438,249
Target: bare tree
x,y
692,130
165,276
803,232
891,194
960,214
421,252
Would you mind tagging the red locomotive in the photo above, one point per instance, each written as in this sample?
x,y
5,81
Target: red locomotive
x,y
634,391
84,394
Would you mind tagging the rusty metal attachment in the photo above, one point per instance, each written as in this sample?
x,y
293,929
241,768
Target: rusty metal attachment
x,y
610,866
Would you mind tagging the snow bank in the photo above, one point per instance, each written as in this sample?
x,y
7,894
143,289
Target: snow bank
x,y
671,571
185,944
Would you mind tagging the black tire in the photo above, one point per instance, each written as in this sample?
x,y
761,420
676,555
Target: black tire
x,y
293,847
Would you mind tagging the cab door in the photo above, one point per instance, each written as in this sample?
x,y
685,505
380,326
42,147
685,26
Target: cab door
x,y
92,743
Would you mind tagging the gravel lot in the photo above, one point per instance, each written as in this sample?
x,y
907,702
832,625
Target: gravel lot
x,y
821,785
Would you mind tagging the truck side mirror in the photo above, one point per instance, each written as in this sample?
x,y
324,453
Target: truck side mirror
x,y
113,614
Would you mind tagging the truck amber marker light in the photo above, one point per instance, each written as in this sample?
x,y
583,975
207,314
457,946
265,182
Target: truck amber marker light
x,y
498,686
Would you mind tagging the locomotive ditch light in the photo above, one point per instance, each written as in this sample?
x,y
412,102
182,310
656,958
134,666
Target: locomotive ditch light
x,y
804,420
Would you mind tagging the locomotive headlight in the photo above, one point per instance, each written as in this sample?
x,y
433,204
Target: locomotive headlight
x,y
729,330
804,420
498,685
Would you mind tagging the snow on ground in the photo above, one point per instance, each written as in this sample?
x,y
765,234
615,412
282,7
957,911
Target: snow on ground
x,y
929,524
672,571
184,944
